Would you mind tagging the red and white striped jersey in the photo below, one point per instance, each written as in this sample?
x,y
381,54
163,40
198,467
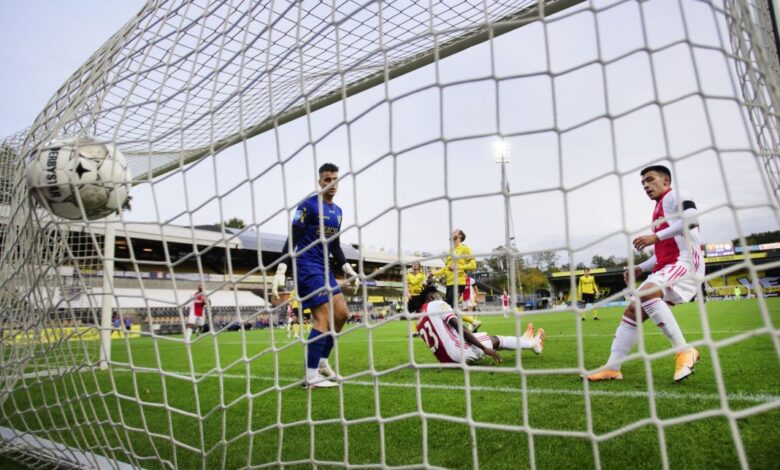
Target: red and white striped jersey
x,y
441,338
674,244
468,289
197,305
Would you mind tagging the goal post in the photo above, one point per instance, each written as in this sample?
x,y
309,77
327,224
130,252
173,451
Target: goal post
x,y
225,112
107,298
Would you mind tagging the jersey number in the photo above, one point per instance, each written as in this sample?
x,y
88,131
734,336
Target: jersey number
x,y
429,337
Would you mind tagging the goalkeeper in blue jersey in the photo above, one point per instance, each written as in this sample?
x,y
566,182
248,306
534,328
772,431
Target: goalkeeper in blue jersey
x,y
313,284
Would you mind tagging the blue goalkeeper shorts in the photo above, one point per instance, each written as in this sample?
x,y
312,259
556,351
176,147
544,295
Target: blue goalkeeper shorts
x,y
314,282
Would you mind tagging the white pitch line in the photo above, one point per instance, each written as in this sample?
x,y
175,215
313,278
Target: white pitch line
x,y
398,340
734,396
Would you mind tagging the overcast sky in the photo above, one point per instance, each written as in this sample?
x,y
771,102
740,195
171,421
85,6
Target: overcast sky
x,y
576,178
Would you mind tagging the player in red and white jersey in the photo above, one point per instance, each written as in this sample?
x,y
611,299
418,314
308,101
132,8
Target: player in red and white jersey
x,y
438,328
291,319
196,318
505,303
677,270
470,303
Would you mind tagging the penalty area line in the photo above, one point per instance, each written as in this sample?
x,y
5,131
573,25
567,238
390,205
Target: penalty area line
x,y
662,395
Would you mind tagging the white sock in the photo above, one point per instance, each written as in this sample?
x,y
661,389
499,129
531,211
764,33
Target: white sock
x,y
324,361
626,337
312,374
513,342
187,333
662,315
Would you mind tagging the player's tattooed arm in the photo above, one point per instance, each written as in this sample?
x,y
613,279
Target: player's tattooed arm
x,y
472,340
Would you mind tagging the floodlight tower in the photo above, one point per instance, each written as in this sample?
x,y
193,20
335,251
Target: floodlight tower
x,y
502,157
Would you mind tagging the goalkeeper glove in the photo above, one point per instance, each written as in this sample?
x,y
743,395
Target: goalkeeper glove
x,y
278,279
350,273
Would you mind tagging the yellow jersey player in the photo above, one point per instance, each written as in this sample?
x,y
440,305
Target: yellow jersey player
x,y
589,292
414,297
461,254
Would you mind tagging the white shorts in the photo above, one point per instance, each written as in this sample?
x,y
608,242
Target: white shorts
x,y
196,320
472,353
679,281
468,303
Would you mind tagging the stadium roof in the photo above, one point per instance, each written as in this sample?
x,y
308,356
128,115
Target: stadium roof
x,y
157,298
237,239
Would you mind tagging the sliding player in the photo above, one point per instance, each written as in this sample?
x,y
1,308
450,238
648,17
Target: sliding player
x,y
439,330
677,269
589,292
311,274
461,255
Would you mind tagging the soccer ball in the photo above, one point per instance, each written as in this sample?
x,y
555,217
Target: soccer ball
x,y
72,175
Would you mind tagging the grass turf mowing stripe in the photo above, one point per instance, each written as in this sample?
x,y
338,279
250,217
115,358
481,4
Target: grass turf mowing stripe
x,y
733,396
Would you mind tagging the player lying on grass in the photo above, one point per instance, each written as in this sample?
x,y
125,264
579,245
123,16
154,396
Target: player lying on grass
x,y
677,270
439,329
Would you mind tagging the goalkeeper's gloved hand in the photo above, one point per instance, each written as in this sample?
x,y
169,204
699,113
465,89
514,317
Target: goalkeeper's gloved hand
x,y
350,273
279,279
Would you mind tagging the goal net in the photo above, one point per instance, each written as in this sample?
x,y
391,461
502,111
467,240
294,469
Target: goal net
x,y
225,111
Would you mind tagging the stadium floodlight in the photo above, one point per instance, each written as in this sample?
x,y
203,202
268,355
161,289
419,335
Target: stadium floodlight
x,y
501,148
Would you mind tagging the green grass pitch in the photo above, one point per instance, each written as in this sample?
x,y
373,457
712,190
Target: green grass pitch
x,y
245,407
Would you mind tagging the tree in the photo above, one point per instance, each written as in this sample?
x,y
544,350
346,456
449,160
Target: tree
x,y
498,267
235,222
545,260
642,256
760,238
533,279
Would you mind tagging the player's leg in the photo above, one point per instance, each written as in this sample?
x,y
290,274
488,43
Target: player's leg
x,y
191,320
340,315
529,340
475,323
319,339
412,322
324,323
466,318
197,326
626,337
415,306
681,287
450,296
653,306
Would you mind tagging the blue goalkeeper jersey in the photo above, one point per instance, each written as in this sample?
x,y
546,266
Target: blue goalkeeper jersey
x,y
307,218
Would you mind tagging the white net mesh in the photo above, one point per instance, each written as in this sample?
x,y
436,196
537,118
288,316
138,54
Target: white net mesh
x,y
227,109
